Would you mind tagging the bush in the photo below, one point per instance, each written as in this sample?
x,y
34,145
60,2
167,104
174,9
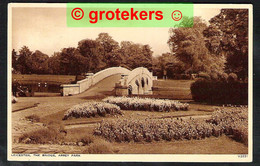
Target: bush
x,y
42,136
100,147
154,130
234,121
220,92
51,134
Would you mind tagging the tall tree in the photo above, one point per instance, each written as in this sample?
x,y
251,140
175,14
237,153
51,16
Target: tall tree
x,y
71,61
228,35
24,60
187,44
107,42
147,56
93,53
136,55
54,63
39,63
110,50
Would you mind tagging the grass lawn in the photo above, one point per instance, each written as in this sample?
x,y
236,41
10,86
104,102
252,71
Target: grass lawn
x,y
210,145
176,84
34,78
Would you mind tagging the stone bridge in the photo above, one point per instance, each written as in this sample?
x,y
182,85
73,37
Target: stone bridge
x,y
137,81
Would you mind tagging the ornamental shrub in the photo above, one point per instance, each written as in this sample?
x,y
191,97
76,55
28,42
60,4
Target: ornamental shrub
x,y
219,92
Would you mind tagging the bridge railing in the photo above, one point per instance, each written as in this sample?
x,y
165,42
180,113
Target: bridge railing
x,y
108,72
83,85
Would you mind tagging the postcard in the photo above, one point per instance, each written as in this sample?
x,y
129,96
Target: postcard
x,y
148,82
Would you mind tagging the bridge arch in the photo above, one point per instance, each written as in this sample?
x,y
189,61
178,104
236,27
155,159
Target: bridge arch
x,y
144,78
140,80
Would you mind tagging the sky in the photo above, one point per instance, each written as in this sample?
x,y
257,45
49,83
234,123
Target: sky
x,y
45,29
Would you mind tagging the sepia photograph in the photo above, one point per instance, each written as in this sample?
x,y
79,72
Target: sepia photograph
x,y
180,93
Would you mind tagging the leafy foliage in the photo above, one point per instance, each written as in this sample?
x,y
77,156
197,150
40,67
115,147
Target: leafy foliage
x,y
220,91
227,35
23,64
131,52
169,63
188,45
89,56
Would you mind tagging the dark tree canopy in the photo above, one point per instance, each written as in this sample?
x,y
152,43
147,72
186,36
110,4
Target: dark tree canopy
x,y
89,56
24,61
136,55
227,35
39,62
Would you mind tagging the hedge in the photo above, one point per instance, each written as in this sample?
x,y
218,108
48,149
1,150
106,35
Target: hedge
x,y
219,92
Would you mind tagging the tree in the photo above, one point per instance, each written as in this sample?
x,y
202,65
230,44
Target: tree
x,y
136,55
93,53
147,56
54,63
14,59
24,60
71,61
39,62
227,35
107,42
110,50
188,45
167,62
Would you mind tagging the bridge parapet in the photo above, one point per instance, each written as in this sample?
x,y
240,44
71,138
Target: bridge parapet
x,y
83,85
108,72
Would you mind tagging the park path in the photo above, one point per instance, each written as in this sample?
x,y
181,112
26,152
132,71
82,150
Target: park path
x,y
51,105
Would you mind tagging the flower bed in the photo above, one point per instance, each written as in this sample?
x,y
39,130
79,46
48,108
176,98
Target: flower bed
x,y
234,121
91,109
223,121
146,104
